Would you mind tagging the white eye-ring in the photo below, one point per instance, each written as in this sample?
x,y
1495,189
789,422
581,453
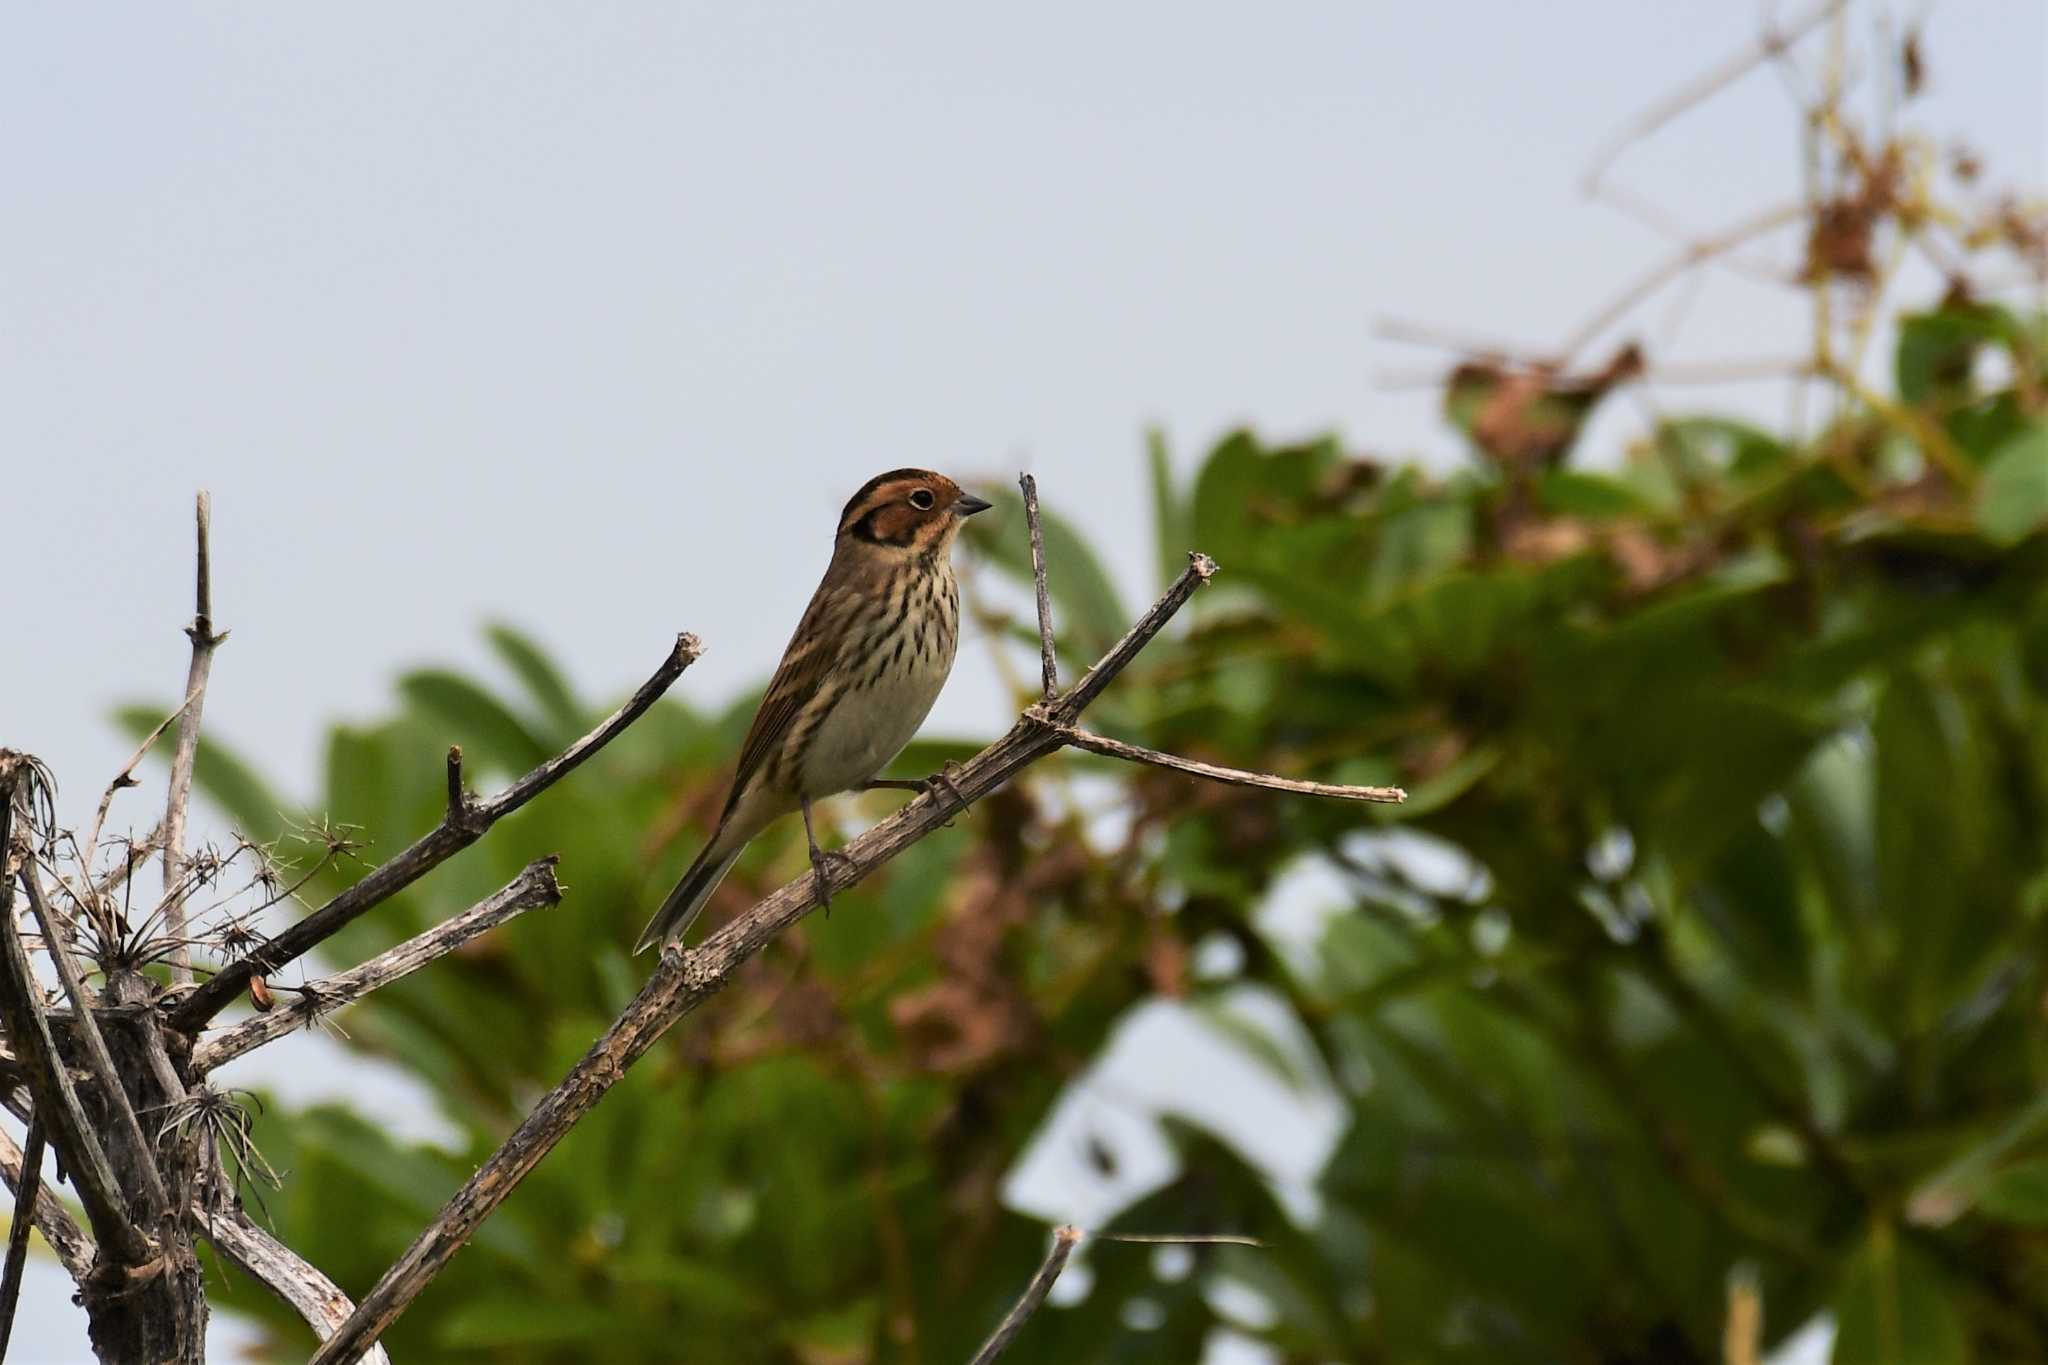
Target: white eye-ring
x,y
922,500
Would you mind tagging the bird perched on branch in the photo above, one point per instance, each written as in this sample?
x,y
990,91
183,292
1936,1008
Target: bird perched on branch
x,y
863,669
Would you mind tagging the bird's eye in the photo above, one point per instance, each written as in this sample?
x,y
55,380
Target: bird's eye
x,y
922,500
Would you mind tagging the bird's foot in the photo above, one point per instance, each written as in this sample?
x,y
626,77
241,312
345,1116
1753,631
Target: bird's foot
x,y
940,781
824,861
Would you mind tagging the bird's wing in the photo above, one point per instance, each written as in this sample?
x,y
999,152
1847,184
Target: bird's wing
x,y
799,679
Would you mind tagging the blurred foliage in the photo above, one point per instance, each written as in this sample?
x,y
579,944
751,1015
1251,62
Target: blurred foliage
x,y
1710,941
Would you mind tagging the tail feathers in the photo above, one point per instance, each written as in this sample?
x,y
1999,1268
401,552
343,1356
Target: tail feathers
x,y
684,903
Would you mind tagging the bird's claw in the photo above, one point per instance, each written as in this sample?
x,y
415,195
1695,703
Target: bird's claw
x,y
942,780
823,860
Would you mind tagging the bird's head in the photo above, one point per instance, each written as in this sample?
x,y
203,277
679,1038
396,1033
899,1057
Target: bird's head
x,y
908,509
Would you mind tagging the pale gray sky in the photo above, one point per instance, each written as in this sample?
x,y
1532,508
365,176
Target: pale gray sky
x,y
589,317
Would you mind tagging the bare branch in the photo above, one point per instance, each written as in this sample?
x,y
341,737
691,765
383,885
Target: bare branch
x,y
430,851
31,1183
49,1081
296,1281
74,1249
1236,777
1064,1240
686,979
1694,253
105,1075
535,886
204,642
1770,43
125,778
1047,665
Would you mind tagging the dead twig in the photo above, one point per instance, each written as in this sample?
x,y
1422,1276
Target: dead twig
x,y
457,831
49,1080
1064,1240
1769,44
533,887
101,1062
1236,777
204,642
1048,667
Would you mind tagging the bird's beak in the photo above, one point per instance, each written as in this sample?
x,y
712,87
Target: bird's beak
x,y
966,505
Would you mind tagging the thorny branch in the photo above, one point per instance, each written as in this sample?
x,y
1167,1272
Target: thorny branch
x,y
465,823
535,886
49,1080
204,642
686,978
98,1059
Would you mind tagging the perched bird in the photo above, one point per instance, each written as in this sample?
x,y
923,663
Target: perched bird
x,y
864,667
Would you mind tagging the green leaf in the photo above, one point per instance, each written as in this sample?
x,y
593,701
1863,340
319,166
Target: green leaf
x,y
1938,350
1170,529
543,681
1894,1308
1569,492
2018,1194
2012,497
485,728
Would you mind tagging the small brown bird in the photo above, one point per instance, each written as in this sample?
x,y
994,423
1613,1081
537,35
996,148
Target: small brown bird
x,y
863,669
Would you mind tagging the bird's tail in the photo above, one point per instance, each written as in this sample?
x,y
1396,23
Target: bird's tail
x,y
684,903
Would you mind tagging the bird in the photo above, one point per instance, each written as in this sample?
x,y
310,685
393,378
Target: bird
x,y
858,677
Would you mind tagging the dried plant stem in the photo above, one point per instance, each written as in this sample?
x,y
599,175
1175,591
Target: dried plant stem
x,y
204,642
49,1080
462,826
535,886
1064,1240
1236,777
1768,44
107,1077
1048,665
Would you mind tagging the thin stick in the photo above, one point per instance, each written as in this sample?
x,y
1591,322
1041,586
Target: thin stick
x,y
49,1080
74,1249
535,886
1770,43
296,1282
1236,777
1064,1240
1693,254
98,1059
30,1189
126,778
204,642
455,832
1047,665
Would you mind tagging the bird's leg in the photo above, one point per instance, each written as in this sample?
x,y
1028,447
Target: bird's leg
x,y
822,860
942,780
